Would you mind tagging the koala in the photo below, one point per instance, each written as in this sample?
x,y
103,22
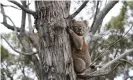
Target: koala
x,y
80,53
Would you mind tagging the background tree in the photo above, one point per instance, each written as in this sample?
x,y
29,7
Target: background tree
x,y
46,45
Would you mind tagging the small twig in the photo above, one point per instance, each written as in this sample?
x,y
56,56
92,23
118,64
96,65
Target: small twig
x,y
118,58
78,10
111,45
7,71
131,63
114,67
23,53
23,8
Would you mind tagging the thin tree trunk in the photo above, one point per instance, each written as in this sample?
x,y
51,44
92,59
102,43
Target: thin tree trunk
x,y
54,49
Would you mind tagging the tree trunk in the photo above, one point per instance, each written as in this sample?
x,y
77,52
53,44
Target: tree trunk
x,y
54,55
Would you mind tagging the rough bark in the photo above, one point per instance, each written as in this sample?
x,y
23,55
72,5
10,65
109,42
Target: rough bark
x,y
54,49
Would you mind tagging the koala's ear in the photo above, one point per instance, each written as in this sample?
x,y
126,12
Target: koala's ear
x,y
86,23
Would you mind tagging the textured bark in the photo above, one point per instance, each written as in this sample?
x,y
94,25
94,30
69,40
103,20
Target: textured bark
x,y
54,49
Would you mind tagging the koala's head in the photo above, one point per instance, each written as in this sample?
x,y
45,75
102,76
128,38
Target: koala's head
x,y
79,27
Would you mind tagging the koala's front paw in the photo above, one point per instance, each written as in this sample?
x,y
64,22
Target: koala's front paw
x,y
68,30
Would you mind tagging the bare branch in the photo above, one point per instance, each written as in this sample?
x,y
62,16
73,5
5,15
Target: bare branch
x,y
23,8
129,62
3,12
10,6
88,75
105,69
30,22
23,17
118,58
5,21
97,10
113,43
101,15
10,27
78,10
15,28
23,53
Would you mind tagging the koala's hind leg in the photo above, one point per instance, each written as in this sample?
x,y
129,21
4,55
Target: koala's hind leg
x,y
79,65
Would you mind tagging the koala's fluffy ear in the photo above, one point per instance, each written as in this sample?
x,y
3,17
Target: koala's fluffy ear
x,y
86,23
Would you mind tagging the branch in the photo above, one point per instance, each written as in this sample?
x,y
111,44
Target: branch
x,y
113,43
101,15
23,53
3,12
23,8
105,69
129,62
10,27
5,21
14,28
118,58
100,72
97,10
10,6
88,75
23,17
30,22
78,10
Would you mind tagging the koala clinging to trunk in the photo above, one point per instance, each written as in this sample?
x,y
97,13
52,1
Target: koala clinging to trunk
x,y
80,53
